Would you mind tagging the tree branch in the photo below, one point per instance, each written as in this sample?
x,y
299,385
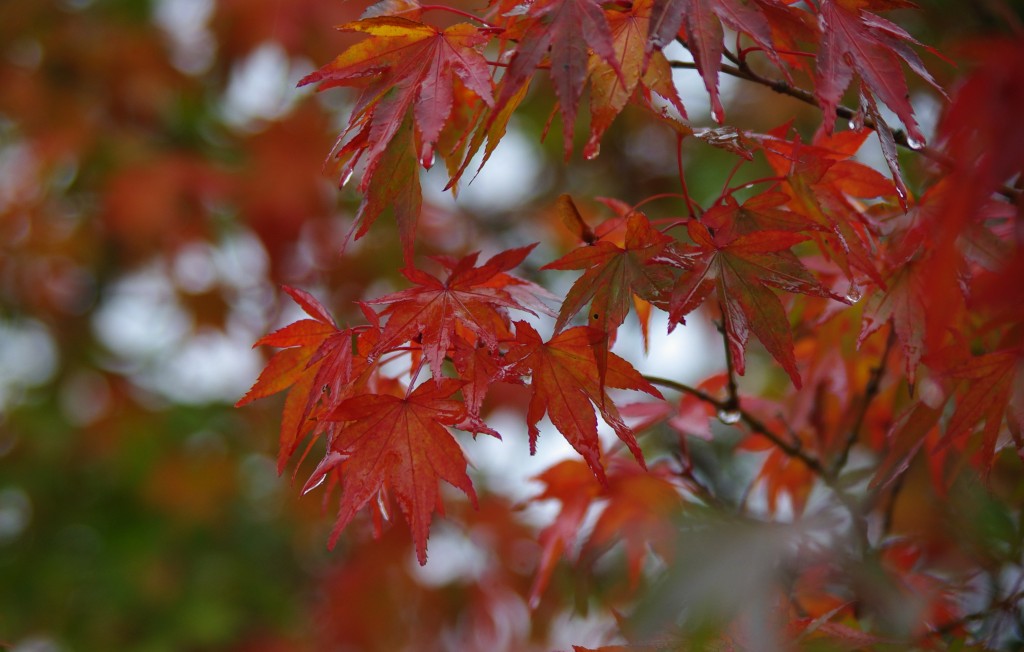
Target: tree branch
x,y
1005,605
743,71
793,450
685,389
870,392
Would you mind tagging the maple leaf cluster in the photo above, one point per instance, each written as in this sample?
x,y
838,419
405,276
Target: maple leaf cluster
x,y
894,317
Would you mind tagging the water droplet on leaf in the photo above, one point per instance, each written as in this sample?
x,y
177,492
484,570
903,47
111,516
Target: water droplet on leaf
x,y
592,152
310,487
716,115
382,505
729,417
427,158
854,294
914,143
345,178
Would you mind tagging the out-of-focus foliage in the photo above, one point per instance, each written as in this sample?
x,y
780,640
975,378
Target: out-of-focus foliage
x,y
159,181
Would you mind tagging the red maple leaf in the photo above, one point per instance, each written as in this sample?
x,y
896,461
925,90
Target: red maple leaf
x,y
399,446
471,300
479,368
992,389
566,383
405,66
639,508
741,268
823,183
316,358
615,278
903,303
856,41
614,275
906,436
701,22
640,512
561,30
570,483
610,91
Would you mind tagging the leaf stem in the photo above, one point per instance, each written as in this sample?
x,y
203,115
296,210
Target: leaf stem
x,y
499,64
725,187
794,450
734,395
772,180
870,392
663,195
458,12
682,177
792,53
685,389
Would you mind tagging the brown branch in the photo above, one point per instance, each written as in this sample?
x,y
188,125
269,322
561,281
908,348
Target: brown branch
x,y
793,450
685,389
743,71
1005,605
870,392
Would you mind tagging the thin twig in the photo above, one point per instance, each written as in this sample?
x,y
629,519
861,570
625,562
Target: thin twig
x,y
870,392
697,486
793,450
730,372
690,212
783,87
685,389
1006,605
890,507
743,71
457,12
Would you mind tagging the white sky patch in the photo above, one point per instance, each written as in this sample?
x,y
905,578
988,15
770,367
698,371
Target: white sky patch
x,y
509,179
28,358
19,170
686,354
508,465
193,268
153,338
453,556
569,629
691,88
209,366
262,87
140,317
186,24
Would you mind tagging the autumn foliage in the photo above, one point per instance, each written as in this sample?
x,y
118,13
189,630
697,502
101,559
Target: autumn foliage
x,y
891,313
825,196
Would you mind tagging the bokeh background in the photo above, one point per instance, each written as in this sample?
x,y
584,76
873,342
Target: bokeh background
x,y
160,177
